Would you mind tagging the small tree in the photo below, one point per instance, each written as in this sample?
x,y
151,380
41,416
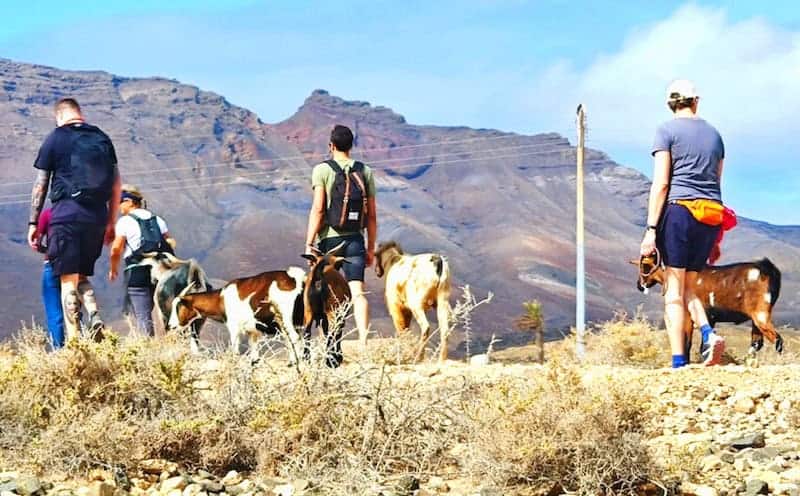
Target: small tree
x,y
532,320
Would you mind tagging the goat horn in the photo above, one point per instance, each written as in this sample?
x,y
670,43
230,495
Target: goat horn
x,y
186,290
172,258
336,248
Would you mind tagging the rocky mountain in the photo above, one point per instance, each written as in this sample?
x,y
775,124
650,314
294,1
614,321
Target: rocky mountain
x,y
235,192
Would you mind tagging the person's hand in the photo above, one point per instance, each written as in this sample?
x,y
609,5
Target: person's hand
x,y
370,257
109,236
310,250
113,273
648,243
33,238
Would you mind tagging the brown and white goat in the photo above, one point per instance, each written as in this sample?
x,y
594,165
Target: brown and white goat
x,y
325,292
414,285
251,306
732,293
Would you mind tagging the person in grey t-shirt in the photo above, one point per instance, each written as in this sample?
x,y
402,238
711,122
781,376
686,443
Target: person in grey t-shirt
x,y
688,155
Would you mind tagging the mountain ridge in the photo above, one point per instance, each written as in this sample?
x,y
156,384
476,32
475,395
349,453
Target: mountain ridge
x,y
235,190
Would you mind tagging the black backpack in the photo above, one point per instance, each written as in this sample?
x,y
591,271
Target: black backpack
x,y
348,201
151,241
90,175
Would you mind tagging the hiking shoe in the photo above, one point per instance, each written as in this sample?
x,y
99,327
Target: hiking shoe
x,y
96,326
712,350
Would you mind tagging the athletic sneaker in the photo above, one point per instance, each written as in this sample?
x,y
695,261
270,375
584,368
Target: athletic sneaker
x,y
712,350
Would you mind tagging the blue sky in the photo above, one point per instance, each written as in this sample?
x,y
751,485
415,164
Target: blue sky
x,y
508,64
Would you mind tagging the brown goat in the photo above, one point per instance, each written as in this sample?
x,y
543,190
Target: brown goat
x,y
249,306
325,291
732,293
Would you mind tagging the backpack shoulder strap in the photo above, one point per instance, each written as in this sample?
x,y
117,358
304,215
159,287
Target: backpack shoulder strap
x,y
142,222
357,166
334,166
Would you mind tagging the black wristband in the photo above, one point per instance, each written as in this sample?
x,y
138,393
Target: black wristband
x,y
651,228
31,223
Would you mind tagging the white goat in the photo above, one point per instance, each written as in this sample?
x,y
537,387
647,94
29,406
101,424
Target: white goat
x,y
414,285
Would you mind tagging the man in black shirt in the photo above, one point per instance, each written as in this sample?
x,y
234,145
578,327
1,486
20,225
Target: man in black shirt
x,y
78,164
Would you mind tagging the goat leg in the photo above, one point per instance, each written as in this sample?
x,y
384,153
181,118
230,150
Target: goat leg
x,y
194,336
688,330
763,321
425,334
756,339
307,341
333,343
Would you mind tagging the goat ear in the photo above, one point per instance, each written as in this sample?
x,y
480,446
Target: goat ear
x,y
633,262
309,257
339,261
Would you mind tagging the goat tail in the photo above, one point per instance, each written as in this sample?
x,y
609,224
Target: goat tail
x,y
199,275
440,263
443,287
766,266
443,309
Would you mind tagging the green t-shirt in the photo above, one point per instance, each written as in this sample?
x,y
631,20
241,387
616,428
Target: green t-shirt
x,y
324,176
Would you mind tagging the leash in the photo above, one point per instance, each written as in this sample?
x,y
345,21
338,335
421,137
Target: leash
x,y
643,275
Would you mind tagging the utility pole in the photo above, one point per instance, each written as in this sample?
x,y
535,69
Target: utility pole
x,y
580,269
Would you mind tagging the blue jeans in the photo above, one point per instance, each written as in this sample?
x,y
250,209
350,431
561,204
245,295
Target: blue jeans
x,y
51,296
142,303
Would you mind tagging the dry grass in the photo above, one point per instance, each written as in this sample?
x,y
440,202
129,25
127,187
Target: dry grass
x,y
555,430
123,401
637,342
620,342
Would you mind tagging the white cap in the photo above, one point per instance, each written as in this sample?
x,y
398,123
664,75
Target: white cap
x,y
681,89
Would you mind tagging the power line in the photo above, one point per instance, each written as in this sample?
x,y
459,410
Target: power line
x,y
552,140
266,174
13,196
445,163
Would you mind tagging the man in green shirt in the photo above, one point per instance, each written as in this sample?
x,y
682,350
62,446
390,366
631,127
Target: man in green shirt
x,y
343,207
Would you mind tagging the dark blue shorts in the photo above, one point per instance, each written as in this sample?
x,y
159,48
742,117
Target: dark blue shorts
x,y
684,242
74,247
353,250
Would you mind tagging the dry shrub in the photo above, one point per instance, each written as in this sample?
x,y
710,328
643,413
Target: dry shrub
x,y
398,351
126,400
556,431
122,401
622,341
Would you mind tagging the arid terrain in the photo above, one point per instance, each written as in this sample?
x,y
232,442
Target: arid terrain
x,y
143,417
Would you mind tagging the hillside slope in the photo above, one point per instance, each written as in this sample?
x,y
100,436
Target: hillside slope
x,y
235,193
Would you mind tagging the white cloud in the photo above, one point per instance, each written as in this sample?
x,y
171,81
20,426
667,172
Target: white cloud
x,y
747,74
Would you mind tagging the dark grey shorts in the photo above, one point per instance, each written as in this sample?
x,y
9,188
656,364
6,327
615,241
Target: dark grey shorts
x,y
684,242
353,250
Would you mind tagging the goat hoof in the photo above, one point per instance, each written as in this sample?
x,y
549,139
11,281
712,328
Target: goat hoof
x,y
334,360
757,345
779,345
